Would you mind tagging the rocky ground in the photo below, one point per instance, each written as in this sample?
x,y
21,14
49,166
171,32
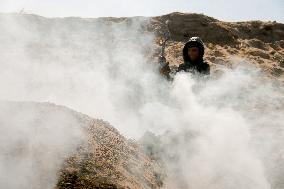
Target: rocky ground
x,y
109,161
259,43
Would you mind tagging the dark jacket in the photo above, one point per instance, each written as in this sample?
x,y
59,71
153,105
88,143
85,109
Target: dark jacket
x,y
200,66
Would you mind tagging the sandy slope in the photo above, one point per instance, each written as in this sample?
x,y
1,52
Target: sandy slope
x,y
101,157
260,43
109,161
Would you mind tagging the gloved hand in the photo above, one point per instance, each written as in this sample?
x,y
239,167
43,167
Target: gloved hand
x,y
164,66
162,61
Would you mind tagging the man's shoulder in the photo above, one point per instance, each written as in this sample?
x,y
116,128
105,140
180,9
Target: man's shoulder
x,y
201,67
205,68
205,62
188,65
183,67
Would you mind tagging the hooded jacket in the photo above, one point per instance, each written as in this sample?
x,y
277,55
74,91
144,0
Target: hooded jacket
x,y
199,66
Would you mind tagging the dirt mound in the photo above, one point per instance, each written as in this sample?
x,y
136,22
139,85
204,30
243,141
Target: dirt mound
x,y
46,148
260,43
183,25
109,161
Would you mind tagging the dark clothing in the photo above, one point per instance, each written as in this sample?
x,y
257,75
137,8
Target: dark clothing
x,y
196,67
199,66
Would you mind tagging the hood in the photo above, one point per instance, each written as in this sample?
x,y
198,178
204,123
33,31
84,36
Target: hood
x,y
193,42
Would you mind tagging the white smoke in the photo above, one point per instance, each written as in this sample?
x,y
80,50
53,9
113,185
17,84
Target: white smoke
x,y
228,130
35,140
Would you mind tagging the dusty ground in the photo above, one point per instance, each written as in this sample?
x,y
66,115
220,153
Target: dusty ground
x,y
109,161
260,43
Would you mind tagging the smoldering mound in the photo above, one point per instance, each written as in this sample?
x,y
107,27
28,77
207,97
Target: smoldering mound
x,y
48,146
224,132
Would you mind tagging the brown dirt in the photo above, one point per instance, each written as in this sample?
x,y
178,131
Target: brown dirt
x,y
260,43
109,161
104,160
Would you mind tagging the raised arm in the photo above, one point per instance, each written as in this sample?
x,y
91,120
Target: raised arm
x,y
164,67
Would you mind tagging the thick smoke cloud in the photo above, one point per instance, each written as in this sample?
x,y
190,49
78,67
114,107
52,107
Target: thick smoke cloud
x,y
219,132
34,141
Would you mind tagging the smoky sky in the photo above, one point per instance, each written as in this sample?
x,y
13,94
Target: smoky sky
x,y
220,9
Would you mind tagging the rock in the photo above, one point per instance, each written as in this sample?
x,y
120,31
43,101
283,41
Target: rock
x,y
256,43
277,71
281,64
258,53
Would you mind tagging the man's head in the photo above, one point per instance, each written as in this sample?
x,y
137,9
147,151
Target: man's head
x,y
193,50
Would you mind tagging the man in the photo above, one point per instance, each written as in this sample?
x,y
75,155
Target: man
x,y
193,53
